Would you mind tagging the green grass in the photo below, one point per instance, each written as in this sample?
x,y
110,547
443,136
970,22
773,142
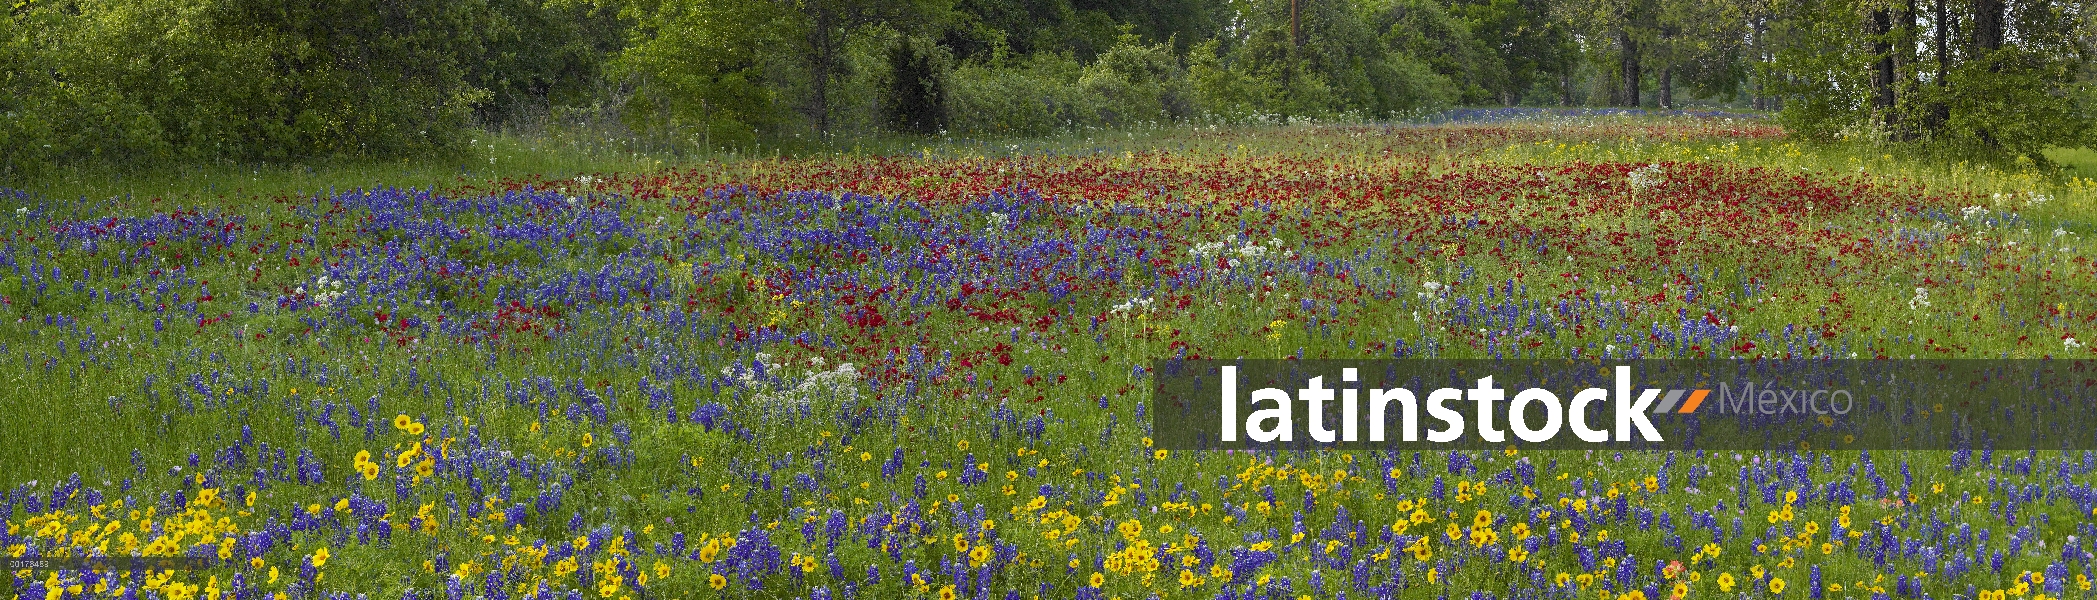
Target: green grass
x,y
2078,162
182,388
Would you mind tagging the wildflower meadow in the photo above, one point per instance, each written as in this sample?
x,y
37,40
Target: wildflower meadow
x,y
925,375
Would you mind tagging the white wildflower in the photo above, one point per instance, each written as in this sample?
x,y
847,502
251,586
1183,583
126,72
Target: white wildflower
x,y
1206,249
1134,304
1647,177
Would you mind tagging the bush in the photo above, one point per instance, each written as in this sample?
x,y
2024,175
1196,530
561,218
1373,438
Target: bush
x,y
696,66
917,87
2014,104
1134,83
147,81
1038,97
1129,84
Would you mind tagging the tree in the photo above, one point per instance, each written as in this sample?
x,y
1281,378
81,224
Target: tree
x,y
1527,42
1618,29
538,54
1330,58
917,87
150,81
2003,83
823,25
1424,33
700,63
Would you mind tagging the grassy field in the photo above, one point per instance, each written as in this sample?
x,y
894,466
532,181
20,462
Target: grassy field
x,y
920,372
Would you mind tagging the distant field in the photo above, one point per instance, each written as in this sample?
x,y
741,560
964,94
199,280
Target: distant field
x,y
922,374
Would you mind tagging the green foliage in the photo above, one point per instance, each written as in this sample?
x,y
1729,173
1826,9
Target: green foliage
x,y
1817,74
917,87
538,56
184,80
1424,29
1137,83
1132,83
2013,103
1181,23
145,83
697,64
1037,96
1993,104
985,29
1223,91
1517,42
1339,63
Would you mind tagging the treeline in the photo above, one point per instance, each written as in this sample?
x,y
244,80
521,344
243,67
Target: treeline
x,y
134,82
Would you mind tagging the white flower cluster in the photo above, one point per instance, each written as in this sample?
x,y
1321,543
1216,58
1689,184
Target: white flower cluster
x,y
1248,251
994,222
1134,304
742,374
1256,251
1973,212
2030,198
325,291
841,383
1431,288
1921,299
1647,177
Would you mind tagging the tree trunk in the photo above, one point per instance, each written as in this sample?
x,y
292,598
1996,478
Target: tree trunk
x,y
1987,24
1565,87
1295,23
1940,26
1630,66
1761,29
1987,37
825,54
1667,87
1881,26
1904,61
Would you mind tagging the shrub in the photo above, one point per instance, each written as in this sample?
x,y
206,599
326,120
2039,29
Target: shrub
x,y
917,87
140,82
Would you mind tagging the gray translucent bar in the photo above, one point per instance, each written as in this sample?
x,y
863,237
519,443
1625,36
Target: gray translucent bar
x,y
1814,405
107,563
